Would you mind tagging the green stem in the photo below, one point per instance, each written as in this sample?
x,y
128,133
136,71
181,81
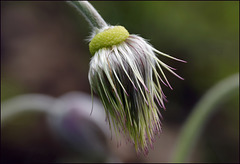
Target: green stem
x,y
200,115
89,12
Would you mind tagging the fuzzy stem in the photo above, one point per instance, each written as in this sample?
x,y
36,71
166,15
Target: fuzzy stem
x,y
89,12
201,114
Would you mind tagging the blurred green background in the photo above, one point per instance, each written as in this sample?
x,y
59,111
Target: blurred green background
x,y
43,50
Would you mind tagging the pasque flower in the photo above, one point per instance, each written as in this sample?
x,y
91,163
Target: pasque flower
x,y
126,74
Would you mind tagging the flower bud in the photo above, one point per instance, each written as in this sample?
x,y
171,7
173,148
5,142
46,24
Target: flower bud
x,y
124,73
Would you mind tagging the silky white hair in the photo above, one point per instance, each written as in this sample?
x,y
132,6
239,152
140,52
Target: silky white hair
x,y
126,78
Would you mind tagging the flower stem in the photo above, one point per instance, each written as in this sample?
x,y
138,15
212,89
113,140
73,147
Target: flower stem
x,y
200,115
89,12
28,102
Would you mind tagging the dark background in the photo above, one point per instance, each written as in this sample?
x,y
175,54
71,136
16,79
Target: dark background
x,y
43,50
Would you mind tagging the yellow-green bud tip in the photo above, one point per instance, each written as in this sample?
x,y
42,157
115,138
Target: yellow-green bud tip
x,y
108,38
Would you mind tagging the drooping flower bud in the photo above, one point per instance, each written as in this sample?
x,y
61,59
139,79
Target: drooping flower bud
x,y
124,73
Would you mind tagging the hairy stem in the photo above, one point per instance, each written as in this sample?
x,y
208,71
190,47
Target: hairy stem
x,y
200,115
89,12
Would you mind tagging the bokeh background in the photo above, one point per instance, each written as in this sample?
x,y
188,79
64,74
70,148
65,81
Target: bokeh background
x,y
44,50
